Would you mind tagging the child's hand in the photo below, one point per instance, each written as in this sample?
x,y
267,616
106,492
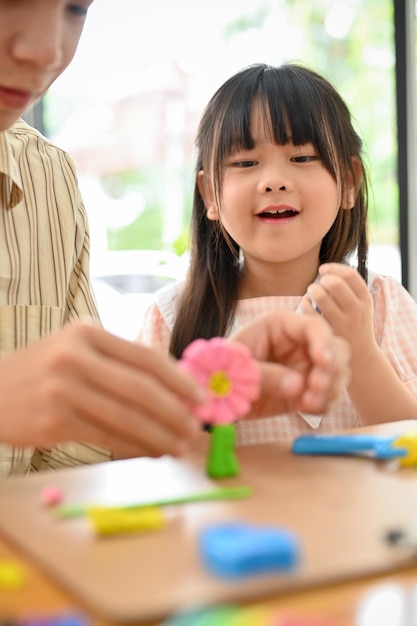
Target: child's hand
x,y
346,303
375,388
304,365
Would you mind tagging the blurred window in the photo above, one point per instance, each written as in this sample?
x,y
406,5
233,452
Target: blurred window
x,y
127,109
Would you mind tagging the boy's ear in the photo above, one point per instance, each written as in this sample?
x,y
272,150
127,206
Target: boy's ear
x,y
349,195
206,191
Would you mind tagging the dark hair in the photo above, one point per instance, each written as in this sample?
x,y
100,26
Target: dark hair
x,y
299,102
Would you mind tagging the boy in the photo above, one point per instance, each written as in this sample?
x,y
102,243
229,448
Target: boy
x,y
79,383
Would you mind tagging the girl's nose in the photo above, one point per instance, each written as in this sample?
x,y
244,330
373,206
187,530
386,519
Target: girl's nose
x,y
274,176
40,40
281,188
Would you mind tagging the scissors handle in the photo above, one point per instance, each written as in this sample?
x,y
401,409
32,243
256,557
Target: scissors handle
x,y
376,445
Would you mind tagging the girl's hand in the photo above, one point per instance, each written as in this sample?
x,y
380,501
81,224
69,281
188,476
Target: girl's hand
x,y
304,365
346,303
375,389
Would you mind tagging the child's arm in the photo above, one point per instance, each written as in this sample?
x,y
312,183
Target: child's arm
x,y
304,365
375,389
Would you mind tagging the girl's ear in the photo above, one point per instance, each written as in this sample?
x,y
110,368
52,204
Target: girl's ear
x,y
352,188
206,191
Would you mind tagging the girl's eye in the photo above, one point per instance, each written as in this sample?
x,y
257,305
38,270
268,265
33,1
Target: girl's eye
x,y
244,164
305,158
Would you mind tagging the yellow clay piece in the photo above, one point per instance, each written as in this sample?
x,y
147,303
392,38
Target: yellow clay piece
x,y
408,441
113,521
220,383
12,576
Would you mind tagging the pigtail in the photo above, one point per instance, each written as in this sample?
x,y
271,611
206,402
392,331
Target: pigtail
x,y
207,302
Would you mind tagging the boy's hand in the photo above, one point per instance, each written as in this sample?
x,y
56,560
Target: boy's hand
x,y
82,383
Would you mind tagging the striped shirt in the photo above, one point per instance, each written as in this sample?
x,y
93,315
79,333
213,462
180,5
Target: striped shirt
x,y
44,266
395,327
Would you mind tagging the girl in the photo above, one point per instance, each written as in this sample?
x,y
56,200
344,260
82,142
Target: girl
x,y
280,208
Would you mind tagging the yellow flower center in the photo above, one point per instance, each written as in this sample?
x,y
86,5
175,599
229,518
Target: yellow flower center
x,y
219,383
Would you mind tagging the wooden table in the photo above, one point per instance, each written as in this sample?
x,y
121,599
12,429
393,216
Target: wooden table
x,y
341,604
344,603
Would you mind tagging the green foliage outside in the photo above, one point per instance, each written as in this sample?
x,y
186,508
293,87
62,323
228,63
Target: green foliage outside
x,y
146,231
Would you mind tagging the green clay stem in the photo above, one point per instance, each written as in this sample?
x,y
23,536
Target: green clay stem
x,y
220,493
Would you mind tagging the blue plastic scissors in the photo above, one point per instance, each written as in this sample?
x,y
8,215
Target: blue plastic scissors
x,y
362,445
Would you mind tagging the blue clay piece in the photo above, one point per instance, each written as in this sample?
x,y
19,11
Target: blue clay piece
x,y
236,550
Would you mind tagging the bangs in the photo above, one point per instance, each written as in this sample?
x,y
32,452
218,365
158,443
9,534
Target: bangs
x,y
290,109
293,104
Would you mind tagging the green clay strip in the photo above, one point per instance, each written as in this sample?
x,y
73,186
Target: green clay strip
x,y
220,493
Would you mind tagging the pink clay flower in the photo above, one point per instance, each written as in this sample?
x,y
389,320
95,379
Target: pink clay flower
x,y
229,374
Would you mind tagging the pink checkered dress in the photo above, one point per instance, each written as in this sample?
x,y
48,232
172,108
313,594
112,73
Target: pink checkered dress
x,y
395,324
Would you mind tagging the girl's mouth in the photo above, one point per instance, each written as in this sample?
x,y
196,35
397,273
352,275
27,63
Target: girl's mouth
x,y
277,214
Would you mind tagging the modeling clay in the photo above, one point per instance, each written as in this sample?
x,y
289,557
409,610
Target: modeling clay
x,y
304,621
108,521
231,378
222,460
222,615
51,495
229,374
219,493
236,550
257,615
408,441
12,575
